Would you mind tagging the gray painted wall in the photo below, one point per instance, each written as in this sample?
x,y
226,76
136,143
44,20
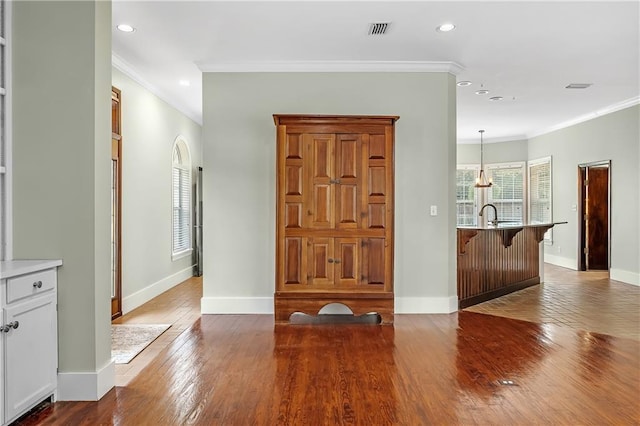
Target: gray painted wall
x,y
612,137
499,152
239,160
149,128
61,164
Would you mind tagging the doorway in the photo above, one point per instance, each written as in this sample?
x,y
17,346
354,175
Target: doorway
x,y
594,195
116,196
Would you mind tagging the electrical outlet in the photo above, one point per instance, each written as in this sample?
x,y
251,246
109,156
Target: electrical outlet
x,y
559,249
434,210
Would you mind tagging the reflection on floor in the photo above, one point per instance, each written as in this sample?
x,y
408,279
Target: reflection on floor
x,y
587,301
179,306
461,368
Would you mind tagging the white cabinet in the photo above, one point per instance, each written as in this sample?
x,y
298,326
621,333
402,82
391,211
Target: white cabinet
x,y
28,336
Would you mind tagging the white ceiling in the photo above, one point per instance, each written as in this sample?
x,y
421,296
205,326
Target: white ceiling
x,y
525,51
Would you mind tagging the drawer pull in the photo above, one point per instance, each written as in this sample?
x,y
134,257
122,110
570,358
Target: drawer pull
x,y
37,284
7,327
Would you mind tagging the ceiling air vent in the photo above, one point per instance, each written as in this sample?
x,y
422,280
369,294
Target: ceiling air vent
x,y
578,86
378,28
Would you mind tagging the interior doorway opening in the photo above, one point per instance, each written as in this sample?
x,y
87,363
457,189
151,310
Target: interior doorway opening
x,y
594,203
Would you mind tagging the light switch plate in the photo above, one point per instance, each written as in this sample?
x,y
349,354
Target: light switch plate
x,y
434,210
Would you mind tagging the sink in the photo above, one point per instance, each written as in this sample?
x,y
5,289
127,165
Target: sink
x,y
505,224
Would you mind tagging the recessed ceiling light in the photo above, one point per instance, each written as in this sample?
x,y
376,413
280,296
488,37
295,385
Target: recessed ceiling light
x,y
482,92
126,28
496,98
445,28
464,83
184,83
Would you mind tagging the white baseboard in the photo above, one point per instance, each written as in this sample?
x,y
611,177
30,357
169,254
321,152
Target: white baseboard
x,y
624,276
86,386
141,297
426,305
236,305
564,262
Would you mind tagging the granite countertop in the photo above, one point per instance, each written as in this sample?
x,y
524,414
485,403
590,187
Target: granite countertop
x,y
510,225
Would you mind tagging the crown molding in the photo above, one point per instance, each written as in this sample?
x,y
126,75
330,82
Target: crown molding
x,y
127,69
476,141
586,117
333,66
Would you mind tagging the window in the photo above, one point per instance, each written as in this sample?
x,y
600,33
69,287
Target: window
x,y
466,201
507,191
181,200
540,193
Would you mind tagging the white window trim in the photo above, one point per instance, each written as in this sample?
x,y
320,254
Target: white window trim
x,y
548,236
181,254
185,252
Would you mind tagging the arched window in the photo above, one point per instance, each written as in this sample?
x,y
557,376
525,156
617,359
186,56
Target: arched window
x,y
181,199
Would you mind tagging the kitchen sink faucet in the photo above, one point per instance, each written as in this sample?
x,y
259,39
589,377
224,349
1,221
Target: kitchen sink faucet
x,y
495,214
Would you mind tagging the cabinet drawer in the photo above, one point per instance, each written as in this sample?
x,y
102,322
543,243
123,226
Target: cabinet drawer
x,y
30,284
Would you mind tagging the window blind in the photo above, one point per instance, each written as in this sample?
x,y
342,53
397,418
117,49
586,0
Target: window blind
x,y
466,201
181,209
540,193
507,191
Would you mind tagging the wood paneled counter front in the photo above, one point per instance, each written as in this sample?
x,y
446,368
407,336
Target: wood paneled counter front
x,y
497,260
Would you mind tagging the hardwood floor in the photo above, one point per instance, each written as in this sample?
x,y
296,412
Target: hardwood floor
x,y
425,369
179,306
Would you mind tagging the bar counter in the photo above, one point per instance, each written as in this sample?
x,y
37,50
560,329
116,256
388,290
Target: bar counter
x,y
495,260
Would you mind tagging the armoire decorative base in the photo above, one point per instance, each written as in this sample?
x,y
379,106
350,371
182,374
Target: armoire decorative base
x,y
334,214
288,303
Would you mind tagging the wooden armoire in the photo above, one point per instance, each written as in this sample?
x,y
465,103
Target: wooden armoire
x,y
334,230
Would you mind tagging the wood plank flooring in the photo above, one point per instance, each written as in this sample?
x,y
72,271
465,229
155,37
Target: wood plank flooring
x,y
579,300
425,369
179,306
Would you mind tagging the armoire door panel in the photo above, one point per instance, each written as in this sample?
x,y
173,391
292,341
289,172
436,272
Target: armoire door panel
x,y
293,215
322,209
373,261
321,194
377,181
377,147
348,156
376,216
293,147
322,151
293,180
321,261
348,180
347,205
347,262
293,271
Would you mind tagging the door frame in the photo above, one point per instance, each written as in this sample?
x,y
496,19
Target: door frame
x,y
116,156
582,176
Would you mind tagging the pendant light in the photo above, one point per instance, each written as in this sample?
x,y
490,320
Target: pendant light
x,y
481,181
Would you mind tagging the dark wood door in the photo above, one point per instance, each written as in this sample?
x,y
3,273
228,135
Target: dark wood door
x,y
594,228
